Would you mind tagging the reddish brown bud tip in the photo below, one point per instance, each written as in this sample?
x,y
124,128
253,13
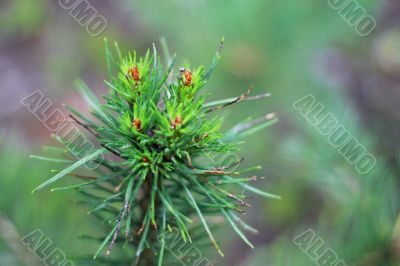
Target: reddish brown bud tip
x,y
133,73
177,121
137,123
188,78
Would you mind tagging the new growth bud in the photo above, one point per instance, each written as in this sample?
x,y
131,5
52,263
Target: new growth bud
x,y
134,74
137,123
188,78
177,121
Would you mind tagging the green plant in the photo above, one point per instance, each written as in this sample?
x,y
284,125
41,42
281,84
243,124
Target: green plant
x,y
158,130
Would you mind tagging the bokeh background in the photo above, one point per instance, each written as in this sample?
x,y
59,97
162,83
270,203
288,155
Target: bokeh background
x,y
288,48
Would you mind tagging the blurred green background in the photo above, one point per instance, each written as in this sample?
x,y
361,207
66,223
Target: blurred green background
x,y
288,48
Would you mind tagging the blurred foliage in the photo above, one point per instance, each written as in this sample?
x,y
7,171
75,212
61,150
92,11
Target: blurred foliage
x,y
21,17
27,212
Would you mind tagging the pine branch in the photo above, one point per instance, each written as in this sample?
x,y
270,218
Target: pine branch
x,y
157,124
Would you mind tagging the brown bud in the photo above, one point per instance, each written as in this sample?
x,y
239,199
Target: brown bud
x,y
137,123
177,121
188,78
133,73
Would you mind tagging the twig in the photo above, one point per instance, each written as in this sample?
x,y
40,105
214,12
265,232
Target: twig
x,y
113,151
231,195
231,165
119,223
237,100
84,126
83,176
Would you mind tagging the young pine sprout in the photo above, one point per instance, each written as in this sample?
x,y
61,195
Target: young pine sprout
x,y
163,162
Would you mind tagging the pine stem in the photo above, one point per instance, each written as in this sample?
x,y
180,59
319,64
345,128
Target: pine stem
x,y
147,257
